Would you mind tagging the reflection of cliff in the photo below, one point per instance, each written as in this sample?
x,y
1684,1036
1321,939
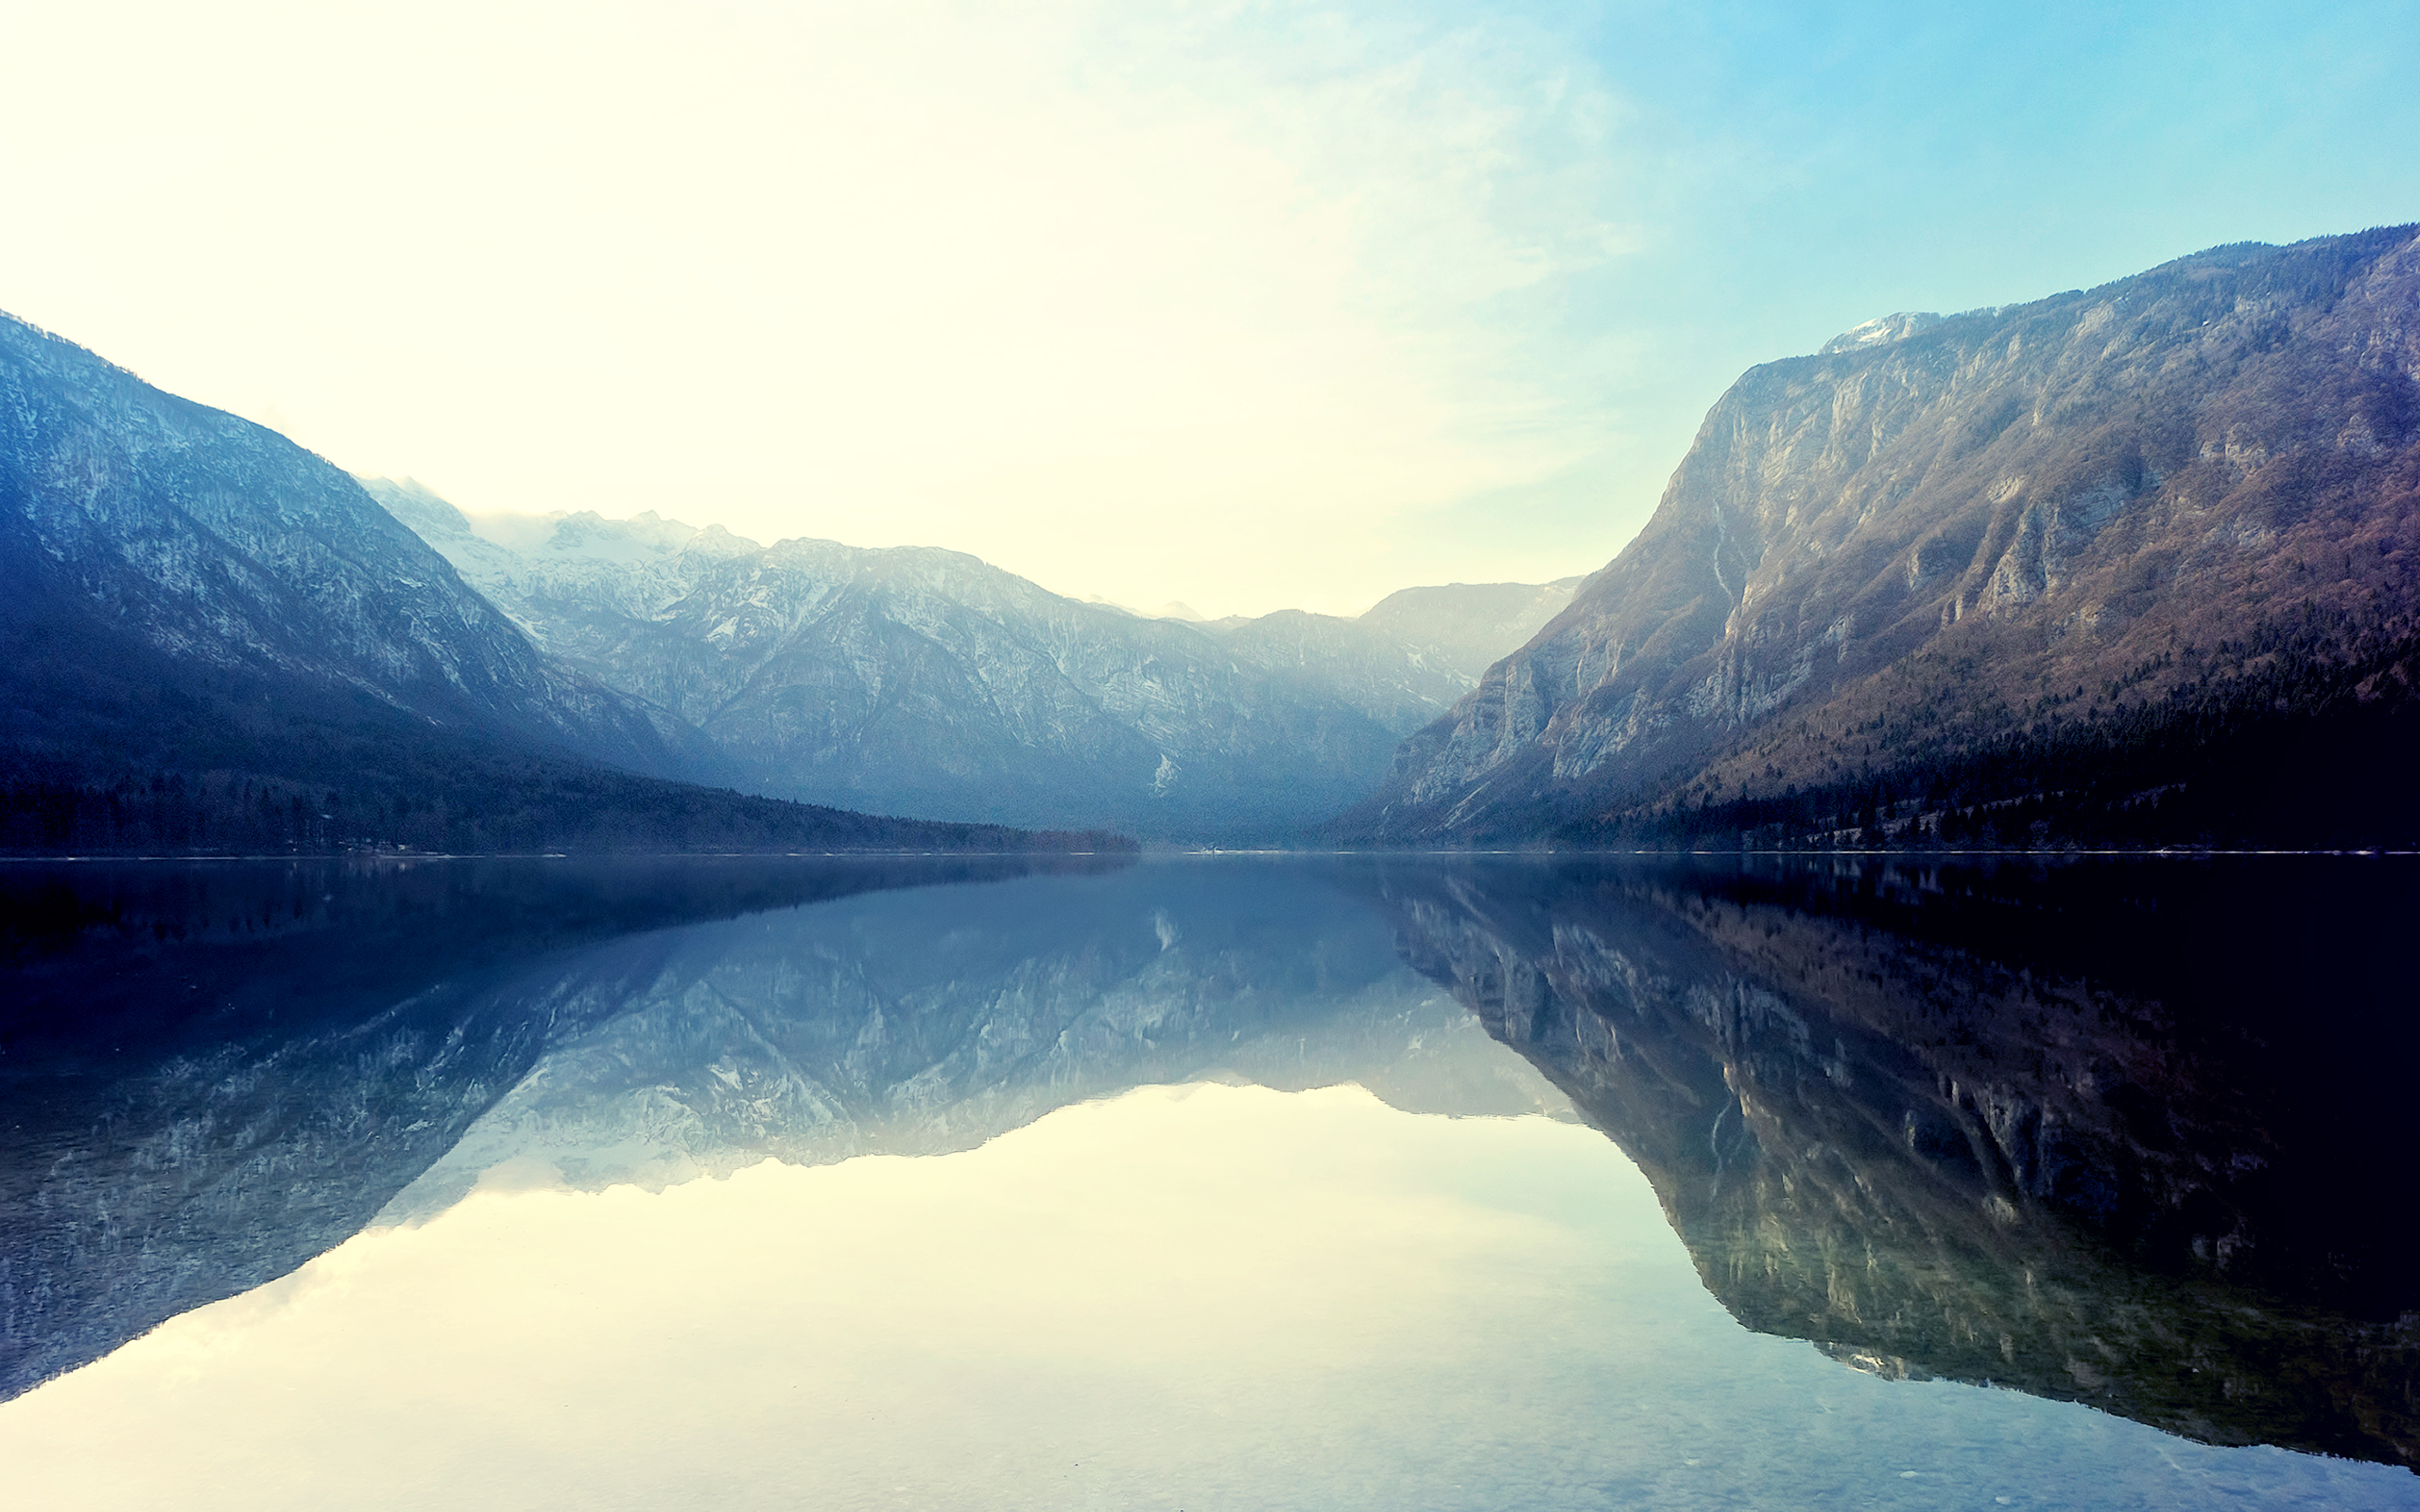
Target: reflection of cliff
x,y
221,1072
2128,1142
210,1073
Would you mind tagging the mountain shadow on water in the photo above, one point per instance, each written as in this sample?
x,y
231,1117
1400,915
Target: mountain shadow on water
x,y
2130,1134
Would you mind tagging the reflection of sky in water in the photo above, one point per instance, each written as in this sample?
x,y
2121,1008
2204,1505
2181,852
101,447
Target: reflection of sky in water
x,y
1210,1297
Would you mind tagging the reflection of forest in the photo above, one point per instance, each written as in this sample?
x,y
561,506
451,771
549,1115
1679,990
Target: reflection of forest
x,y
2125,1134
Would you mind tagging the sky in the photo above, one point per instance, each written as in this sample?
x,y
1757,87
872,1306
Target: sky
x,y
1243,306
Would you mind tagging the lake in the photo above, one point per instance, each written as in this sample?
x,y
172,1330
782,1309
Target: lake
x,y
1210,1182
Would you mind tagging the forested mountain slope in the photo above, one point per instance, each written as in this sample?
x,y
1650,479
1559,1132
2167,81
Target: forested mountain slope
x,y
2141,556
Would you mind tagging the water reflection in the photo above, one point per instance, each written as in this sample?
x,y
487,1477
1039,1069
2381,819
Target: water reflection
x,y
215,1072
2124,1135
2133,1133
211,1073
925,1023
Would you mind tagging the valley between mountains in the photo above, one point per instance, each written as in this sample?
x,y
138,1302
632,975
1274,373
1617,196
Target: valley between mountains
x,y
2131,565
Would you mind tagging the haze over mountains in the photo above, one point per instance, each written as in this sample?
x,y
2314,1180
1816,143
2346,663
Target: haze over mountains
x,y
917,680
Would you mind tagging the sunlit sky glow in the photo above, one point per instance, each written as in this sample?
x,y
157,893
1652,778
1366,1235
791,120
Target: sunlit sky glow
x,y
1246,305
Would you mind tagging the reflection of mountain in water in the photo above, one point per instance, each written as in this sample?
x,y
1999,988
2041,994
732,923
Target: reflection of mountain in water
x,y
921,1023
211,1072
217,1073
2127,1135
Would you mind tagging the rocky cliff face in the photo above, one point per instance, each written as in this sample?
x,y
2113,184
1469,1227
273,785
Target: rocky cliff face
x,y
922,681
139,530
1901,1116
1944,535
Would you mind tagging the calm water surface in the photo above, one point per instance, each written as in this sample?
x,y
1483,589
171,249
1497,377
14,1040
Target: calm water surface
x,y
1208,1183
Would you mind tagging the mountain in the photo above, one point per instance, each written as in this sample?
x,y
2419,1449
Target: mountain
x,y
146,526
2015,1129
1401,685
2137,562
1466,627
916,681
212,637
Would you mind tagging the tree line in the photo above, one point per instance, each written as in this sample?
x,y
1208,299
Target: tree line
x,y
503,806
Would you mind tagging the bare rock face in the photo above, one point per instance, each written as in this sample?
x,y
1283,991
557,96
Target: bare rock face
x,y
1392,679
1940,533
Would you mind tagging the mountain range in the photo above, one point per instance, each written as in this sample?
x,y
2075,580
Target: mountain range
x,y
917,680
211,638
2133,564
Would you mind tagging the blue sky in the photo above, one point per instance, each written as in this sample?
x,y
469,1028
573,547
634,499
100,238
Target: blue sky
x,y
1247,305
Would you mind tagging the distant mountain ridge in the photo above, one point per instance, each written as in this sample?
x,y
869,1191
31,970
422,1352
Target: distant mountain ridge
x,y
1466,626
917,680
2140,562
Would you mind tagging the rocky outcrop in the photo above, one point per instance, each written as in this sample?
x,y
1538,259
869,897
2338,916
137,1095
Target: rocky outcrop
x,y
1943,533
1995,1128
1398,683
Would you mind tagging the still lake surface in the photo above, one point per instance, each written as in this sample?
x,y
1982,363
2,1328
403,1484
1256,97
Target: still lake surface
x,y
1207,1183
